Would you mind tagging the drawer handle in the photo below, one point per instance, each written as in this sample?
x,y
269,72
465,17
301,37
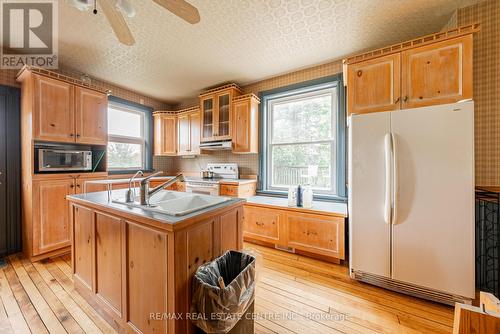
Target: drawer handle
x,y
259,224
312,233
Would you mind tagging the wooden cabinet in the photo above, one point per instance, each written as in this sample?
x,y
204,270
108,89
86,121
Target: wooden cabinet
x,y
177,133
68,113
109,250
374,85
51,214
246,124
243,190
316,234
146,268
165,134
438,73
188,125
53,110
216,113
298,230
264,224
91,110
83,246
417,76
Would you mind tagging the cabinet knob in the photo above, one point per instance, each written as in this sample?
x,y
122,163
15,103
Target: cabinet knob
x,y
360,73
397,100
405,99
52,125
77,135
72,186
71,135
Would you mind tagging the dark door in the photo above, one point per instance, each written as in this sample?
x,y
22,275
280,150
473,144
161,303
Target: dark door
x,y
10,170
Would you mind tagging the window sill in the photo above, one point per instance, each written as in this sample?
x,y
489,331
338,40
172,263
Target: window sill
x,y
317,197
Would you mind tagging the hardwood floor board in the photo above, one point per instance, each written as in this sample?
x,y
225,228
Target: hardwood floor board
x,y
71,305
341,290
41,305
358,307
30,314
60,311
338,274
67,284
309,313
260,329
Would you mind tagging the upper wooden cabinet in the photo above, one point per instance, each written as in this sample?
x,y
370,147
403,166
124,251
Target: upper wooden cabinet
x,y
165,133
65,112
177,133
434,73
216,113
188,138
246,124
53,110
438,73
374,85
91,110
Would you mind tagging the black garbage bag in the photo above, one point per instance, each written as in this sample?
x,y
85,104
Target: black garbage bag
x,y
218,309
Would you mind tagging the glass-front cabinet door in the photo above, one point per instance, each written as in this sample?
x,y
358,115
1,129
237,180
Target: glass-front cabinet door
x,y
224,119
207,118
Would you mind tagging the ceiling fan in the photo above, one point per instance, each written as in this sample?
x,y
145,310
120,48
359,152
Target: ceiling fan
x,y
114,10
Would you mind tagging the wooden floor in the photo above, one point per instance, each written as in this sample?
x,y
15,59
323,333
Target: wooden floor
x,y
295,295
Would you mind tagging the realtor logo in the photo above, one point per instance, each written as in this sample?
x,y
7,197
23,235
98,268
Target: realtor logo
x,y
29,33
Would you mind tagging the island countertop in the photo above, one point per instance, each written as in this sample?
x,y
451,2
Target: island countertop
x,y
99,200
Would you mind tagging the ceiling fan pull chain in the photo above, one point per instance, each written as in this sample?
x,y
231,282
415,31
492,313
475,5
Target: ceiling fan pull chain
x,y
95,7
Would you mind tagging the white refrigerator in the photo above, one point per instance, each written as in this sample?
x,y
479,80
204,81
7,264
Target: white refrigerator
x,y
411,201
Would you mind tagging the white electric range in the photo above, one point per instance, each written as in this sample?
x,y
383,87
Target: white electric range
x,y
211,186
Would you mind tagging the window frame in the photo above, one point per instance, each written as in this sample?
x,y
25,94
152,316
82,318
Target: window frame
x,y
146,138
338,172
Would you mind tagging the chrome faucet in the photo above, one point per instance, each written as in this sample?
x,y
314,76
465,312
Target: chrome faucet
x,y
130,196
146,193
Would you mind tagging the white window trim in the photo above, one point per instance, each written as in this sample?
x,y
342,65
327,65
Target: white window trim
x,y
129,139
332,141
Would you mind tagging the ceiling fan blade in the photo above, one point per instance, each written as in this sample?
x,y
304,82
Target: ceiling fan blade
x,y
117,22
182,9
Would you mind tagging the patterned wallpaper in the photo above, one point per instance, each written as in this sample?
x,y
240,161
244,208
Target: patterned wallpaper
x,y
486,88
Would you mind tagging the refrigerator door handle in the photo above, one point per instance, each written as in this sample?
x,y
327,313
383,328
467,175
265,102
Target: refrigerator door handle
x,y
388,178
395,184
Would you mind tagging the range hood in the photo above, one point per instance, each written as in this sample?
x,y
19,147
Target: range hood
x,y
216,145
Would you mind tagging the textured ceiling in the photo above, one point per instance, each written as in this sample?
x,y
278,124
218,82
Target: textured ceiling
x,y
237,40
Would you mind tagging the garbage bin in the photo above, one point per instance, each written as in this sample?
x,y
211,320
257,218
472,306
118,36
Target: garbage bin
x,y
223,294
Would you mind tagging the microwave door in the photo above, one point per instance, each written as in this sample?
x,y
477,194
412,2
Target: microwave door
x,y
60,160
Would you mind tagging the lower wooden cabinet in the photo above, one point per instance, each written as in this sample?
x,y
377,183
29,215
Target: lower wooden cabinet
x,y
244,190
83,238
314,233
131,269
50,224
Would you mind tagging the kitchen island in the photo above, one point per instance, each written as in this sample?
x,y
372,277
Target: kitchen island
x,y
135,266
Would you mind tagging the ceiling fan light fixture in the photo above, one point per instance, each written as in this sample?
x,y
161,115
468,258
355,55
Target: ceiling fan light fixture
x,y
126,8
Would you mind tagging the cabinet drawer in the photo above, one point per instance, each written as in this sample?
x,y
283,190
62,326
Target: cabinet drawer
x,y
315,233
262,224
228,190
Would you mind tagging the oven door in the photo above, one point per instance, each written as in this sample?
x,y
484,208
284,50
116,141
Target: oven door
x,y
203,188
61,160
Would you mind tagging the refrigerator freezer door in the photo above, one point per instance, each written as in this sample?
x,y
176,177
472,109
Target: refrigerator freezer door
x,y
369,232
433,233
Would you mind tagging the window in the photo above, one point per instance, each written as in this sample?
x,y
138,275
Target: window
x,y
303,140
128,136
